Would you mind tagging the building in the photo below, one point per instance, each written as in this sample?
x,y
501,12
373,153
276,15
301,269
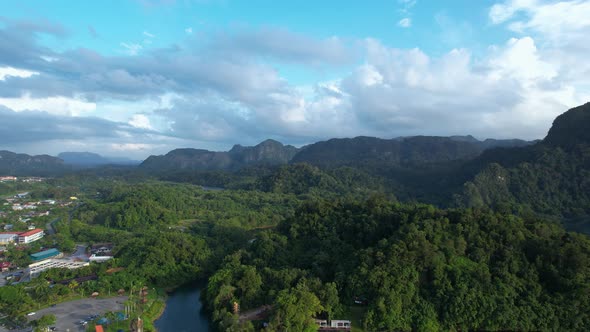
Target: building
x,y
333,325
7,178
98,259
52,263
341,324
45,254
21,195
30,236
8,237
102,249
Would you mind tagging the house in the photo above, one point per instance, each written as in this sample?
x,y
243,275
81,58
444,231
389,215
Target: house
x,y
21,195
30,236
45,254
8,227
343,324
7,178
6,238
4,266
333,325
102,249
48,202
98,259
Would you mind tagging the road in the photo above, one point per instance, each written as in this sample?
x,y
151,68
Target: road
x,y
68,314
50,226
80,253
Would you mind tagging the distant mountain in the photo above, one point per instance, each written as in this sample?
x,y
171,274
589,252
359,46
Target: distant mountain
x,y
23,164
269,152
89,159
404,151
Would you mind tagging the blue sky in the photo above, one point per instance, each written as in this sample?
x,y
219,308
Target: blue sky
x,y
147,76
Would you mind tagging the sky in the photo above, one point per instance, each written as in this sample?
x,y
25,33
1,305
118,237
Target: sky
x,y
140,77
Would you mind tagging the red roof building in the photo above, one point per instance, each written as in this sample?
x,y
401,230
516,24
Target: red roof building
x,y
4,266
30,236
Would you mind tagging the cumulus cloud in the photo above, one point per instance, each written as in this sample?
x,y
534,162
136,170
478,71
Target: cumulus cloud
x,y
140,121
228,88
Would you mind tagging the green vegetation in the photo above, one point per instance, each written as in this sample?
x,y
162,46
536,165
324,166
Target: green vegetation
x,y
418,267
347,233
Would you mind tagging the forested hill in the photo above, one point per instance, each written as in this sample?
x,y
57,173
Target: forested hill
x,y
413,268
403,151
269,152
570,129
551,177
23,164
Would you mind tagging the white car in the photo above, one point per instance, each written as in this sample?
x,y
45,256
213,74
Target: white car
x,y
31,313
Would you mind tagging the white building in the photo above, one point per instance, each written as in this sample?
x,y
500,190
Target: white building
x,y
30,236
51,263
6,238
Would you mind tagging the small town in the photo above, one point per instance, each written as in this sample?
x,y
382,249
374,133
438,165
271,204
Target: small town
x,y
29,248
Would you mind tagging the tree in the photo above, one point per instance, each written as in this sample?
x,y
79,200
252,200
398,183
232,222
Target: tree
x,y
296,308
44,322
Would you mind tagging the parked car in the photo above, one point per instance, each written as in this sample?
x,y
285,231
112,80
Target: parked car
x,y
31,313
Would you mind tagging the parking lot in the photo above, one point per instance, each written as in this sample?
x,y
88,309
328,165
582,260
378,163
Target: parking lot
x,y
69,314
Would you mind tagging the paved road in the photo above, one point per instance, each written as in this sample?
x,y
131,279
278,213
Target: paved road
x,y
80,253
68,314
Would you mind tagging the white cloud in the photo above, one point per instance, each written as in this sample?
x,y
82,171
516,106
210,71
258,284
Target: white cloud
x,y
149,35
140,121
231,89
405,22
131,48
58,105
131,146
188,30
14,72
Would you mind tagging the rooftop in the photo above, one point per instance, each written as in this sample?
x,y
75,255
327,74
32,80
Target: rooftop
x,y
33,232
45,253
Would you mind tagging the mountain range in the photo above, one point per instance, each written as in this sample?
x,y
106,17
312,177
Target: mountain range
x,y
338,151
549,177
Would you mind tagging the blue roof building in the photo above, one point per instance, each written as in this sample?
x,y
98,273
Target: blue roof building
x,y
45,254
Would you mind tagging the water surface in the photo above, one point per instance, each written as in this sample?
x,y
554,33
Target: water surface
x,y
183,311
